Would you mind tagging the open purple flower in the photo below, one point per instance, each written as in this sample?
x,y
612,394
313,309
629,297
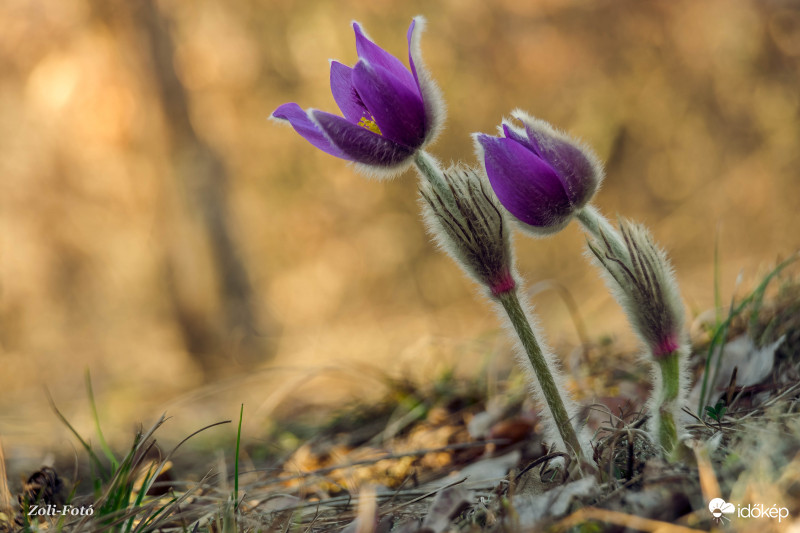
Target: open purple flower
x,y
389,111
540,175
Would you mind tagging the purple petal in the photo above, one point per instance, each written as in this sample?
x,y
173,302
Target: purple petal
x,y
345,94
575,170
377,56
398,110
411,50
359,144
525,184
430,93
528,142
303,125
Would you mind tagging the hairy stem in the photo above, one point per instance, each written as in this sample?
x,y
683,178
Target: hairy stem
x,y
550,391
429,168
600,228
670,392
670,373
667,431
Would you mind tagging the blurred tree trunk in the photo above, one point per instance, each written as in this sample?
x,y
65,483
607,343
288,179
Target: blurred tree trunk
x,y
219,329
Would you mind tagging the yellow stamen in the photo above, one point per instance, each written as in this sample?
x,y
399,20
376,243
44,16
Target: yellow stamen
x,y
370,124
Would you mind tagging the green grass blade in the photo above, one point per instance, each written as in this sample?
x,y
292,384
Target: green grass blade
x,y
236,461
140,496
171,452
103,444
93,456
717,280
721,331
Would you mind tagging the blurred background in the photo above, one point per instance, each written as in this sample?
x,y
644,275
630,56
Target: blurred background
x,y
158,231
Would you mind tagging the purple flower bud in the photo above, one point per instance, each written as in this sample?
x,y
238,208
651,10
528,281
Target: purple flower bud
x,y
540,175
389,111
467,222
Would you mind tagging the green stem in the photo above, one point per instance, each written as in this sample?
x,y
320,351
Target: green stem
x,y
670,390
667,431
670,376
598,226
550,391
429,168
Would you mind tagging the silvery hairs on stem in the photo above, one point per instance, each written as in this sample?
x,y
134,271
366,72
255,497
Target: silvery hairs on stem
x,y
642,280
467,221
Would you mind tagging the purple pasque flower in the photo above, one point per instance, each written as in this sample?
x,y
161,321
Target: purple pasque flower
x,y
389,111
540,175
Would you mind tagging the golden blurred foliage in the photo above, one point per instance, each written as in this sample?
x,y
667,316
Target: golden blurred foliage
x,y
158,230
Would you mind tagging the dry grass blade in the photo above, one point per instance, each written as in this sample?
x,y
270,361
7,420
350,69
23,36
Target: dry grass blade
x,y
367,517
166,512
6,505
621,519
426,495
708,478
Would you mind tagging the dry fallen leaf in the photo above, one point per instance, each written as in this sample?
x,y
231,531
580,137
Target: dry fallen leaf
x,y
446,506
482,474
752,365
553,503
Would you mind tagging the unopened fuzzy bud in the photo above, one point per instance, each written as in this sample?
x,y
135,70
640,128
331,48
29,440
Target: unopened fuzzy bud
x,y
468,223
642,279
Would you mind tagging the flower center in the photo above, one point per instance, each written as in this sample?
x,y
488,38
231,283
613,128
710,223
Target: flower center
x,y
370,124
